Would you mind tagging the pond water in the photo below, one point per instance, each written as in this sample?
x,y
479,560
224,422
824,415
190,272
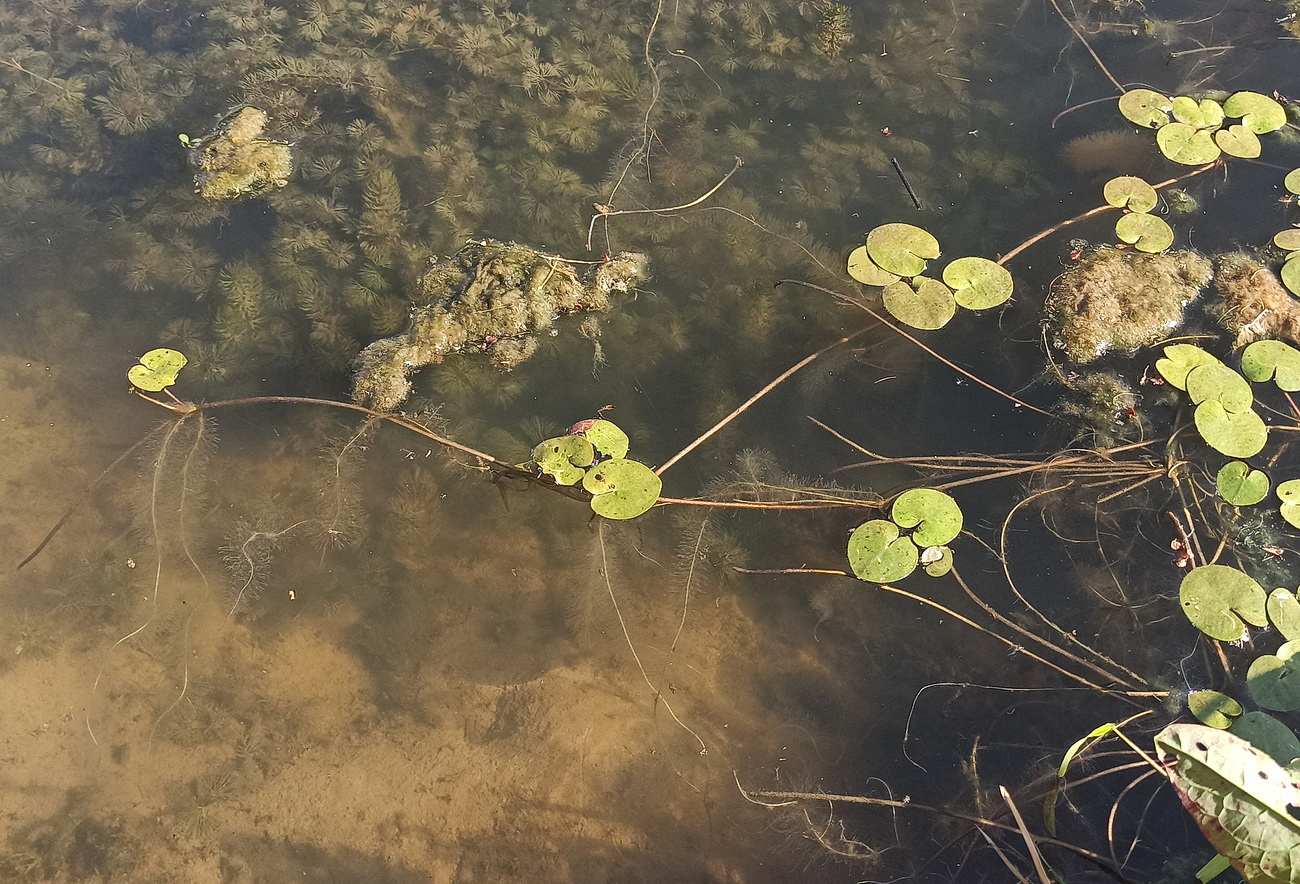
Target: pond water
x,y
274,641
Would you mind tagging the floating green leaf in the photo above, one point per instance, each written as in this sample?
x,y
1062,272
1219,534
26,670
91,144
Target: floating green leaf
x,y
157,369
1129,192
1268,735
1186,144
1146,108
1145,232
1239,485
1259,113
1204,114
1284,613
1290,274
1180,359
922,303
978,283
866,271
901,248
1274,680
1239,796
1289,493
1238,141
1292,181
608,438
1235,434
1219,383
621,488
1272,359
1220,601
1213,709
937,560
935,515
564,458
879,555
1288,240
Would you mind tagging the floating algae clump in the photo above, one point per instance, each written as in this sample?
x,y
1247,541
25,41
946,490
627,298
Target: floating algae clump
x,y
235,161
489,296
1122,300
1252,303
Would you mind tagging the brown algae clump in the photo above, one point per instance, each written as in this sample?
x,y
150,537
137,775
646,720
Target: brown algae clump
x,y
1252,303
490,296
235,161
1122,300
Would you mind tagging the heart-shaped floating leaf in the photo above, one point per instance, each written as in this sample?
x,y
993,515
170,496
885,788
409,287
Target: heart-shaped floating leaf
x,y
1290,274
1268,735
1239,485
923,303
157,369
1129,192
978,283
868,272
937,560
1220,383
1179,360
1146,108
1288,240
608,438
1284,613
621,488
879,555
1259,113
1272,359
1239,796
564,458
1274,680
1289,493
1238,141
1292,181
1204,114
1186,144
901,248
935,515
1220,601
1235,434
1145,232
1213,709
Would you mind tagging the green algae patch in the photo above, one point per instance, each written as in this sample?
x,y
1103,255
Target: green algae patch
x,y
235,161
1251,302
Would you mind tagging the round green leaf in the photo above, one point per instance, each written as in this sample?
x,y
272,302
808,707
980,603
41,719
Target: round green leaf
x,y
1268,735
1284,613
935,516
937,560
1146,108
1146,232
866,271
1292,181
564,458
1220,601
1274,681
607,437
1259,113
157,369
1289,493
1288,240
1220,383
1179,360
1290,275
621,488
1272,359
1204,114
1213,708
978,283
877,554
1239,485
1238,141
1235,434
923,303
1129,192
901,248
1186,144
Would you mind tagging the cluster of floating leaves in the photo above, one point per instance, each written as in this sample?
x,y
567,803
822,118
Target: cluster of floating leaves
x,y
1223,398
593,452
1289,241
1193,132
1137,226
880,553
895,257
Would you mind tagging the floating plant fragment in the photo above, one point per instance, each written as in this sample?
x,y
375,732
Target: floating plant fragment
x,y
1238,141
564,458
1145,232
1220,601
1130,192
937,560
1179,360
157,369
1289,493
1236,434
1274,679
1259,113
1239,485
621,488
1145,107
1186,144
868,272
879,555
1268,735
1272,359
235,161
901,248
1213,709
922,303
978,283
1284,613
608,437
935,516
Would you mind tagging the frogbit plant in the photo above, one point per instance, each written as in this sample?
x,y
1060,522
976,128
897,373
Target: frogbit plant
x,y
593,453
879,551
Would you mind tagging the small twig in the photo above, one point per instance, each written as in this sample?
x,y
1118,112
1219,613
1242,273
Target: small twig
x,y
916,201
1086,45
1029,839
604,211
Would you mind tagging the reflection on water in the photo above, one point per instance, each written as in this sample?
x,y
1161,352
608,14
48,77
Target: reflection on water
x,y
275,643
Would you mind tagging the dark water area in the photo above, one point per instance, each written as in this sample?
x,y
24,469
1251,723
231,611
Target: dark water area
x,y
276,641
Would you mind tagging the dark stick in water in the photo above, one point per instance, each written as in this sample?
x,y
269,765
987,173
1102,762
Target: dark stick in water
x,y
916,201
